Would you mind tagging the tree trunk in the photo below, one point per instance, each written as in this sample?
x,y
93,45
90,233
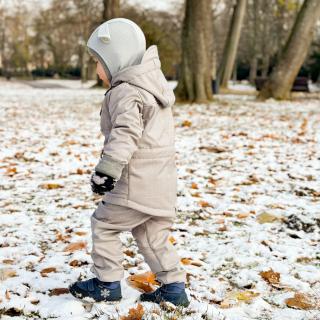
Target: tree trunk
x,y
84,64
296,49
254,43
253,69
230,50
111,9
265,66
196,41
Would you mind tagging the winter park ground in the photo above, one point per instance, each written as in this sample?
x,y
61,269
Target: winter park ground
x,y
248,206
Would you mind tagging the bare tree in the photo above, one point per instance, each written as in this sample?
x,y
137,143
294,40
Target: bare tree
x,y
230,51
111,9
284,73
196,41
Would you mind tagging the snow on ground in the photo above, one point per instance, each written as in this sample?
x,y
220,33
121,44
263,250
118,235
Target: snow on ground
x,y
248,202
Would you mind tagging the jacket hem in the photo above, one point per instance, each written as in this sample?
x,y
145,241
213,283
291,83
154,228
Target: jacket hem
x,y
134,205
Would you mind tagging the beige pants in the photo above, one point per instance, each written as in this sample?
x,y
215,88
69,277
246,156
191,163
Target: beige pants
x,y
150,232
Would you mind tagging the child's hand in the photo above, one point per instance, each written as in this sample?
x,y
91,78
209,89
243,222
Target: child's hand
x,y
101,183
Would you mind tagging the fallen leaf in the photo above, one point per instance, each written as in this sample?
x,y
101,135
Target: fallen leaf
x,y
50,186
266,217
172,240
246,295
186,123
213,149
129,253
77,263
223,228
204,204
234,298
58,291
143,282
243,215
8,261
7,294
300,301
11,171
61,237
196,194
270,276
134,313
75,246
45,271
6,273
35,301
80,171
189,261
194,185
80,233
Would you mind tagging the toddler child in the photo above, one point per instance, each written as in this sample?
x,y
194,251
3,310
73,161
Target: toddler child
x,y
136,173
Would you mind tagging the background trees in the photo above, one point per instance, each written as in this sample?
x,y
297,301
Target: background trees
x,y
284,73
195,75
194,40
232,42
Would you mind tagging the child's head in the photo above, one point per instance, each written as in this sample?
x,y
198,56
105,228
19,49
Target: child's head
x,y
116,44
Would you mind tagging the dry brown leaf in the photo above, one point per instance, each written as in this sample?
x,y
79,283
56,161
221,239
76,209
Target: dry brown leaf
x,y
61,237
68,143
45,271
7,294
213,181
8,261
129,253
80,171
243,215
270,276
58,291
74,263
10,171
6,273
194,185
134,313
186,123
196,194
223,228
300,301
80,233
77,263
75,246
50,186
215,149
234,298
204,204
144,282
266,217
172,240
35,301
189,261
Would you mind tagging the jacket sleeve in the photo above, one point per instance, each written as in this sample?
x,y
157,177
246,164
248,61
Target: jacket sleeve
x,y
125,108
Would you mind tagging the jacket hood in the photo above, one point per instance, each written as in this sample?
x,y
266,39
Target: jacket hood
x,y
117,43
149,76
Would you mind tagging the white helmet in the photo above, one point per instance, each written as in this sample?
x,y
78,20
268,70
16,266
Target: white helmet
x,y
117,43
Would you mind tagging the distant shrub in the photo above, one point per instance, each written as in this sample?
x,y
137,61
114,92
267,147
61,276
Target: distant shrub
x,y
65,72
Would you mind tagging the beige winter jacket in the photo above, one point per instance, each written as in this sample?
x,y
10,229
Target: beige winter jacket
x,y
137,122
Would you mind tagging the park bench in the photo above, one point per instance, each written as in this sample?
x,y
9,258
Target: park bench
x,y
300,84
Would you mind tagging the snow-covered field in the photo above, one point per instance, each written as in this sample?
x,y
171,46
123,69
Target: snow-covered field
x,y
248,207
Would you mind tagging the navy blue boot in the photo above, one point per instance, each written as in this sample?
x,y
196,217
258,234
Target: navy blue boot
x,y
171,292
94,290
